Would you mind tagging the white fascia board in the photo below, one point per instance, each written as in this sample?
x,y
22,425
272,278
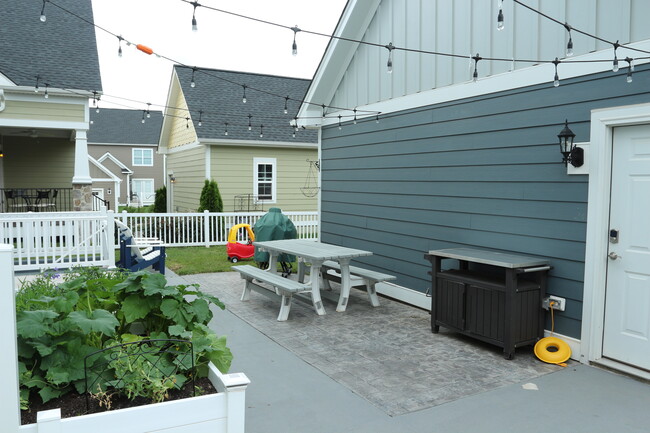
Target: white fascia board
x,y
518,78
105,170
240,143
353,24
51,92
117,162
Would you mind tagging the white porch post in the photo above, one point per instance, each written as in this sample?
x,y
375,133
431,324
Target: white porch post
x,y
81,167
9,392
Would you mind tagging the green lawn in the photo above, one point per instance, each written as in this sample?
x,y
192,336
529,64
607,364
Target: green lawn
x,y
200,260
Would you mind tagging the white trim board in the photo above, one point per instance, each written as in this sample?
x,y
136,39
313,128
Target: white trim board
x,y
603,122
518,78
404,294
261,143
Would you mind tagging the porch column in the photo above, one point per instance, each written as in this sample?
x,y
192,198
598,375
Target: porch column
x,y
82,199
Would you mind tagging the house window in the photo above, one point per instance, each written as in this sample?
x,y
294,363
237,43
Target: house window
x,y
143,157
142,191
265,179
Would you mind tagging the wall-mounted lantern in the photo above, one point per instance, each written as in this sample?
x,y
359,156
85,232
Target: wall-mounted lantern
x,y
570,153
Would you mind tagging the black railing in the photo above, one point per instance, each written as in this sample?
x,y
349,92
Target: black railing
x,y
98,202
248,203
35,199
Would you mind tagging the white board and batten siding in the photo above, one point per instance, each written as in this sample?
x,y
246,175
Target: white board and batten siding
x,y
469,27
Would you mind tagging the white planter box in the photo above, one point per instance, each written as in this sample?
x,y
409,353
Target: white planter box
x,y
215,413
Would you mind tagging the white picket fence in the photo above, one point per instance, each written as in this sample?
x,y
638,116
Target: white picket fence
x,y
47,240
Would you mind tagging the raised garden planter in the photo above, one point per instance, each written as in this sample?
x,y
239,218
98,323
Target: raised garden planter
x,y
215,413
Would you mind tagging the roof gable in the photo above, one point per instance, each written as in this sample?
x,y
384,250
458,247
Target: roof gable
x,y
354,22
219,93
62,50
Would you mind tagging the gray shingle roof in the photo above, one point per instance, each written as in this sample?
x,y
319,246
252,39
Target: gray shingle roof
x,y
124,127
62,50
221,101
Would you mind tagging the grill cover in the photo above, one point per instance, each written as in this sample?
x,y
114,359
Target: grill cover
x,y
274,226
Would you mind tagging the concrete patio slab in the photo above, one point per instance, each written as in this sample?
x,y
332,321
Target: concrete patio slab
x,y
291,393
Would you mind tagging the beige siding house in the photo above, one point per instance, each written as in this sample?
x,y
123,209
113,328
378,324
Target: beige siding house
x,y
249,149
47,75
126,167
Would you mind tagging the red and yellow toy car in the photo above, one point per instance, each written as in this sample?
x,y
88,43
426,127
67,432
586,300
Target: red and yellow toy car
x,y
237,250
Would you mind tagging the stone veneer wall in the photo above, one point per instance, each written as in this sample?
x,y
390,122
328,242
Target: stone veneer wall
x,y
82,197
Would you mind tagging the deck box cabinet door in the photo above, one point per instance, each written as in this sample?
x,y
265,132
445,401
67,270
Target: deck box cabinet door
x,y
450,304
486,312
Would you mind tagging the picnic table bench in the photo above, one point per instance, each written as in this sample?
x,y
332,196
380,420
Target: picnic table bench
x,y
283,288
365,277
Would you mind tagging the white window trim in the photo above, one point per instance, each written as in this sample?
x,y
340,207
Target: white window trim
x,y
153,188
603,121
142,149
273,163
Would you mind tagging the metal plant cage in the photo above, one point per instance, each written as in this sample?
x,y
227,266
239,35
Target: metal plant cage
x,y
167,357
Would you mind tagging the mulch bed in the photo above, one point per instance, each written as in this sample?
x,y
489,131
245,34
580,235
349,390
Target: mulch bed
x,y
74,404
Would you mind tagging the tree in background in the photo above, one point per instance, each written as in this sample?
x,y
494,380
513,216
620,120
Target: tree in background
x,y
210,199
160,203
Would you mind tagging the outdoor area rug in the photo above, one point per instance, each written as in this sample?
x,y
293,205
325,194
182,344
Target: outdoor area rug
x,y
387,355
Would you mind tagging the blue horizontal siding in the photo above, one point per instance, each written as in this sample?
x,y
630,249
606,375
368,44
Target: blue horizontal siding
x,y
481,172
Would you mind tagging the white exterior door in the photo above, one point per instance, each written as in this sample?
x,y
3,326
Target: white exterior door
x,y
626,336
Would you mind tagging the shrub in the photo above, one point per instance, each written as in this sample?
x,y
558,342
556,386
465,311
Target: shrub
x,y
160,202
210,199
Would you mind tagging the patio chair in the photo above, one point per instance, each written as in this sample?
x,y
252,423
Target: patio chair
x,y
139,253
16,201
42,202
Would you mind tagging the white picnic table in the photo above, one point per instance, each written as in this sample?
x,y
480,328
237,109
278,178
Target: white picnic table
x,y
315,253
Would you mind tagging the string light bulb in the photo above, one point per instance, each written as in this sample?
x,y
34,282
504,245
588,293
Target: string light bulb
x,y
261,131
294,46
355,116
143,112
377,119
250,126
295,124
630,69
500,24
389,64
476,59
340,123
200,117
225,132
556,79
36,86
569,45
323,108
46,95
192,82
187,122
148,112
119,46
615,62
194,26
243,99
43,18
286,107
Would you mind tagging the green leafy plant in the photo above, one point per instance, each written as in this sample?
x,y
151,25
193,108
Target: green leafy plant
x,y
59,325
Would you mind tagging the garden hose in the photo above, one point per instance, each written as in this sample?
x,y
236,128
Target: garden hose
x,y
551,349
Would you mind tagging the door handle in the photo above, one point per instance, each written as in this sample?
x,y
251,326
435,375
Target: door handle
x,y
614,256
